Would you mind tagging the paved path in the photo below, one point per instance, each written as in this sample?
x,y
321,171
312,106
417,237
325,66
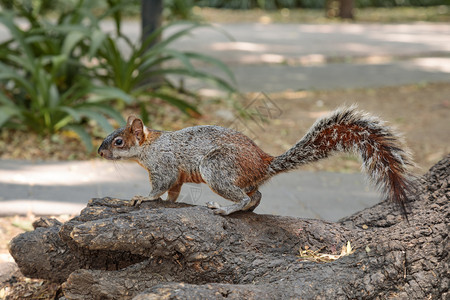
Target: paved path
x,y
277,57
264,58
66,187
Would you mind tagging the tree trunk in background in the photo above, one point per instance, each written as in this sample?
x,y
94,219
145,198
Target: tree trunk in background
x,y
346,9
151,17
151,20
164,250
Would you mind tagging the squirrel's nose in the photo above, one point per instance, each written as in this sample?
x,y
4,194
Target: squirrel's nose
x,y
103,153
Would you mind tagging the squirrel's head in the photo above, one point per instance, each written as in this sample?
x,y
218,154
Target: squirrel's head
x,y
124,142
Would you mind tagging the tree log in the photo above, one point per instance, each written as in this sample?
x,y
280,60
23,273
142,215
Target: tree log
x,y
174,250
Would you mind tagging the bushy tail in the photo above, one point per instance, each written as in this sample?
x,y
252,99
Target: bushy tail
x,y
349,130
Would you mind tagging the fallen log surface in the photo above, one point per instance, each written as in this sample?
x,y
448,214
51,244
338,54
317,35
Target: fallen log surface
x,y
174,250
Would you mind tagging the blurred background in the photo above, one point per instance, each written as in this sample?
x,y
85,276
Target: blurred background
x,y
71,71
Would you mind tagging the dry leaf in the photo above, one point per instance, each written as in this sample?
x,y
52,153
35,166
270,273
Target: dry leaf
x,y
316,256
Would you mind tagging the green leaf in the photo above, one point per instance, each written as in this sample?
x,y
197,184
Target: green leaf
x,y
177,102
211,60
8,73
84,136
53,96
26,64
5,100
6,113
72,115
176,35
115,9
64,121
181,57
71,40
95,116
57,62
71,112
100,94
97,39
76,93
196,74
186,28
7,19
143,112
111,112
152,61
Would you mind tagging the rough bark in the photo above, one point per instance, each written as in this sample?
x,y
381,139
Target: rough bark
x,y
114,250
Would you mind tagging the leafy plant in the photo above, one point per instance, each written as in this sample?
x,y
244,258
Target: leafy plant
x,y
178,9
43,82
58,75
143,71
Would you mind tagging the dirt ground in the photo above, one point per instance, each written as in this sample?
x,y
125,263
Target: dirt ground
x,y
275,122
420,112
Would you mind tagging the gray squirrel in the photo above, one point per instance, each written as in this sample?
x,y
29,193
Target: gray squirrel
x,y
234,167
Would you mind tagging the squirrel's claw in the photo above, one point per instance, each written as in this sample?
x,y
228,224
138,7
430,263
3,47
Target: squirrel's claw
x,y
212,205
217,209
221,211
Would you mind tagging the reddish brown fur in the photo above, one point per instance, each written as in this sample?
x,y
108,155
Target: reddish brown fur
x,y
151,136
195,177
343,132
135,125
252,169
128,137
384,160
252,162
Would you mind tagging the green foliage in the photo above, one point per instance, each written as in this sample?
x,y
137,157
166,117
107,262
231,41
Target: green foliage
x,y
60,74
143,71
36,5
182,9
178,9
275,4
44,84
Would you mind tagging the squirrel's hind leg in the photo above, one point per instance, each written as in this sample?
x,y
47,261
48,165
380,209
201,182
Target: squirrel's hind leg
x,y
248,203
229,192
255,199
220,171
226,210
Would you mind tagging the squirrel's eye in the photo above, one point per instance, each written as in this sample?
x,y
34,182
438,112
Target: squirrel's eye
x,y
118,142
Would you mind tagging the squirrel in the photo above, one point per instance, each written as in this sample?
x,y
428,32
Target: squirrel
x,y
234,167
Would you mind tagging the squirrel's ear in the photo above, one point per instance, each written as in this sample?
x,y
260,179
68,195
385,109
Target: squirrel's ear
x,y
138,129
130,120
